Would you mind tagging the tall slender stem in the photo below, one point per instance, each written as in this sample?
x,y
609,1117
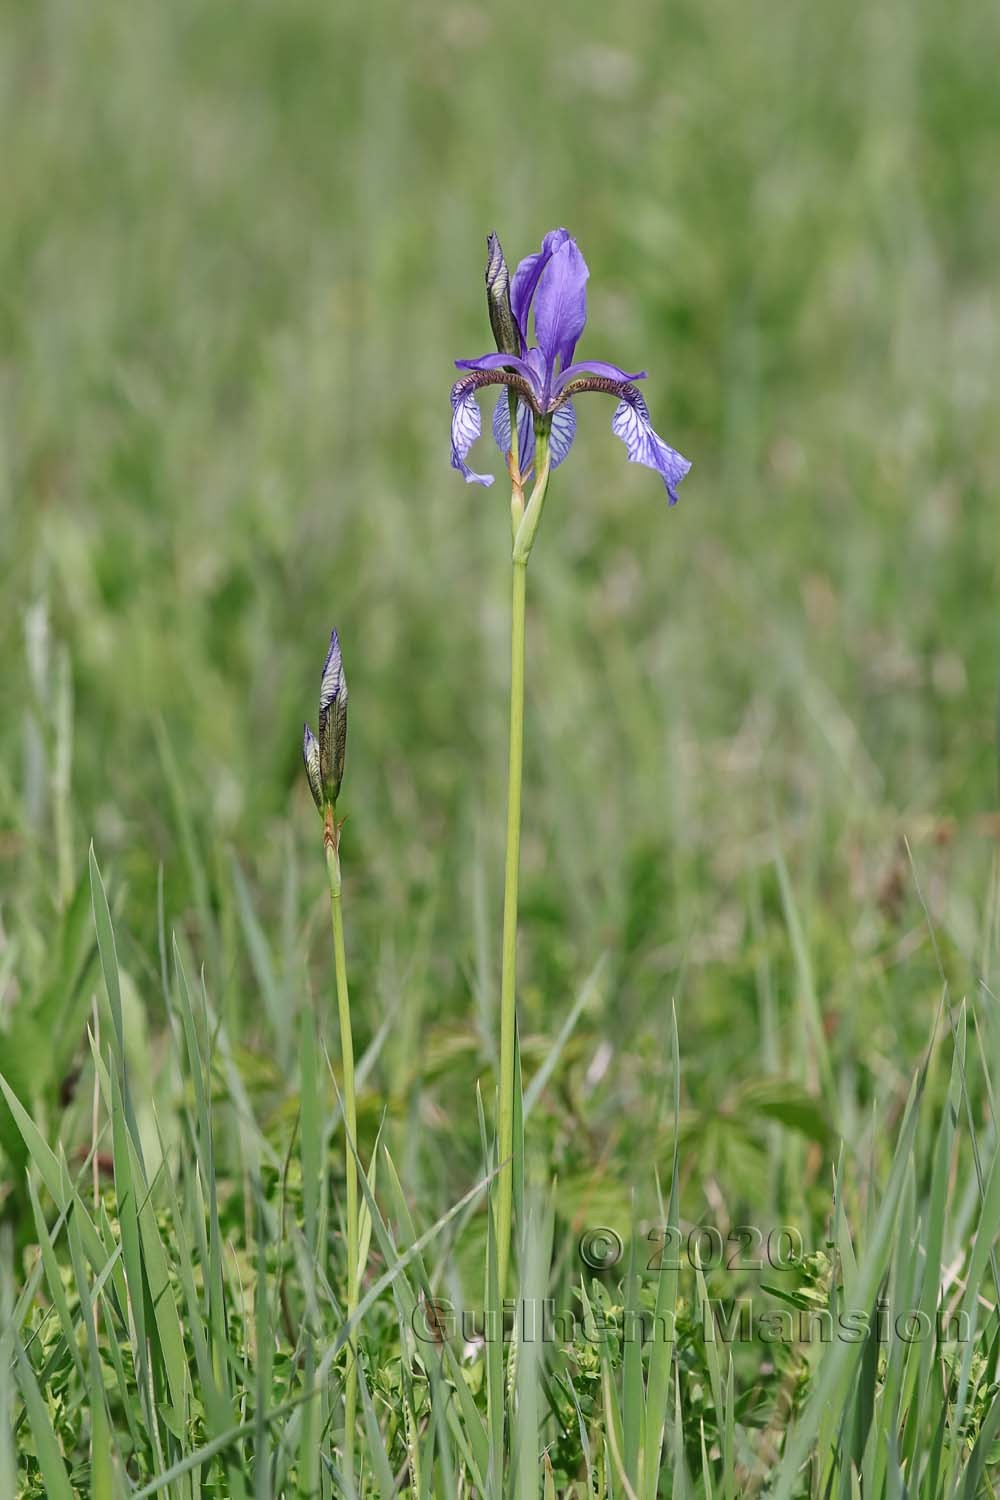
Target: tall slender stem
x,y
525,525
508,970
331,843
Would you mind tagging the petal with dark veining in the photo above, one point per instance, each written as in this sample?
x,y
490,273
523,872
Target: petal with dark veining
x,y
631,423
466,425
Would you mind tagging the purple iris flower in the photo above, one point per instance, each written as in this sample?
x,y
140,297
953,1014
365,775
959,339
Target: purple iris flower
x,y
551,285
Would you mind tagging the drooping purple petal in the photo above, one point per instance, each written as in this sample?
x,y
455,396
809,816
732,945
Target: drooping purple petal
x,y
594,367
498,362
525,279
466,425
631,423
560,304
561,434
525,431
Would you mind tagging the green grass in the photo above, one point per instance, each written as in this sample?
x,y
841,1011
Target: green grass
x,y
239,250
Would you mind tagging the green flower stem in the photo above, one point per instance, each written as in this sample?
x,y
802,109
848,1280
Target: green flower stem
x,y
508,971
331,842
525,527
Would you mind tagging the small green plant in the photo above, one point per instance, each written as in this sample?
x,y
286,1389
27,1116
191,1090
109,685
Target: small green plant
x,y
324,762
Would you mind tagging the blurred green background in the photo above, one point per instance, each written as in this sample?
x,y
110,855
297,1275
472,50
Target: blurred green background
x,y
241,246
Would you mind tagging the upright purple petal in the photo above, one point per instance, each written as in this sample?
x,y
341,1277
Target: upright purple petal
x,y
535,360
631,423
593,367
561,304
466,425
525,279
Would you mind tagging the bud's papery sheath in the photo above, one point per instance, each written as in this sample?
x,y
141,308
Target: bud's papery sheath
x,y
310,755
332,721
505,329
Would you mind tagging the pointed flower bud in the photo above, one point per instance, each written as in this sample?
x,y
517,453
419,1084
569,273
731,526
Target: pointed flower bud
x,y
310,754
332,721
505,329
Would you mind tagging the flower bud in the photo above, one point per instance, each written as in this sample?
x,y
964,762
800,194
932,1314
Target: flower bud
x,y
498,300
332,721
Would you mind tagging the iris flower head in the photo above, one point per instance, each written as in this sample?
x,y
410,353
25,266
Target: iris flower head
x,y
549,291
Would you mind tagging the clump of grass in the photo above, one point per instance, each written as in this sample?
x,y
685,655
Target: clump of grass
x,y
176,1324
180,1330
